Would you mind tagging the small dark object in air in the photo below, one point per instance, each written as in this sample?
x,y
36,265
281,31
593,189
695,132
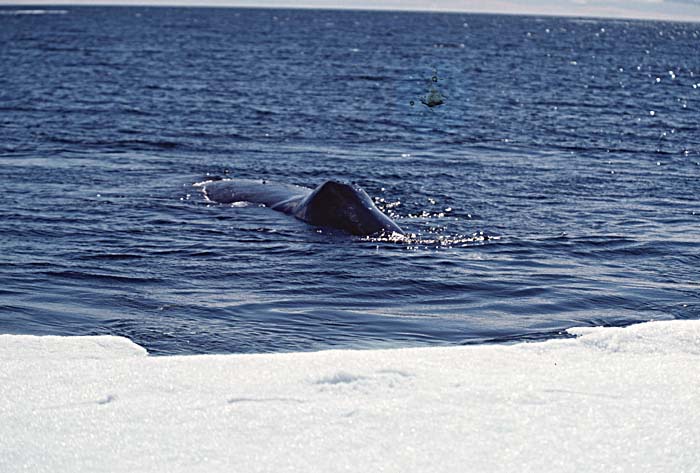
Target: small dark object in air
x,y
433,98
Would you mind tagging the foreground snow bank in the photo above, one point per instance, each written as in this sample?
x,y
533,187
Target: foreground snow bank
x,y
613,399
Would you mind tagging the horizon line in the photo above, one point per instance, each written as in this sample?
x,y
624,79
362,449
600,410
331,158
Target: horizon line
x,y
369,8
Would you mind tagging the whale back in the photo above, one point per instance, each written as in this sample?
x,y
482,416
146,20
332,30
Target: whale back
x,y
346,207
270,194
332,204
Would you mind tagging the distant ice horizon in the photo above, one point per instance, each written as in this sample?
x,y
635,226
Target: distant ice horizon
x,y
673,10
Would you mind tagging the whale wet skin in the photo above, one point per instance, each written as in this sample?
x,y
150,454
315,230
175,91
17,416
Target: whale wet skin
x,y
332,204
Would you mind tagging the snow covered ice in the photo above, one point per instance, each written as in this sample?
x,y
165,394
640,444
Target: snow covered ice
x,y
612,399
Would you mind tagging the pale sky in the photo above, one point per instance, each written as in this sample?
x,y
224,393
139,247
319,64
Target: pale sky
x,y
682,10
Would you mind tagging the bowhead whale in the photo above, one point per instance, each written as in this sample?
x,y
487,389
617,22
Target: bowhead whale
x,y
332,204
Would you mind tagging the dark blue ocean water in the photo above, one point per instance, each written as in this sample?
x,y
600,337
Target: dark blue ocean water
x,y
573,145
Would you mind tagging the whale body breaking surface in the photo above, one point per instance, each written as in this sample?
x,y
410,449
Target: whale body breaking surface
x,y
332,204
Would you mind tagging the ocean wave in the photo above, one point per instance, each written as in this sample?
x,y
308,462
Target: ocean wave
x,y
33,12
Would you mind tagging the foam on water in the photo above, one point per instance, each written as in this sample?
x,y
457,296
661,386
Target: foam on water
x,y
33,12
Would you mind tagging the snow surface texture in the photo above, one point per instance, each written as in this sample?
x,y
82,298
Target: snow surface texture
x,y
613,399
